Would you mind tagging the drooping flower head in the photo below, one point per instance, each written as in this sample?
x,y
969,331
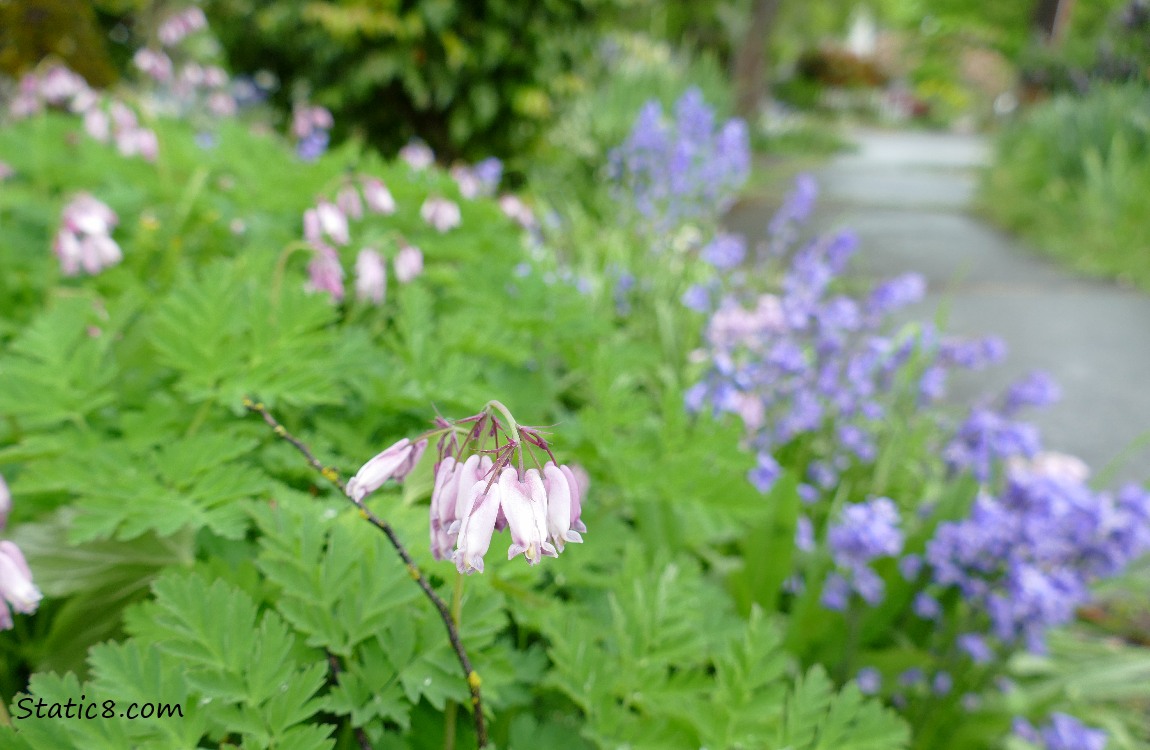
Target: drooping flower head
x,y
440,213
84,241
16,588
482,485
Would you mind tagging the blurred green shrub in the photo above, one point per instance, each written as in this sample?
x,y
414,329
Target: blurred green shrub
x,y
472,79
629,70
1072,174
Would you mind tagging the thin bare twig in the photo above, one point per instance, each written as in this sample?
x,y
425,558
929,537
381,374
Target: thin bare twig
x,y
331,475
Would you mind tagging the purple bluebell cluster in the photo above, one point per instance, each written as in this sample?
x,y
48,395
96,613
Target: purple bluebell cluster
x,y
865,531
311,126
990,434
1027,556
809,360
681,169
792,363
1063,732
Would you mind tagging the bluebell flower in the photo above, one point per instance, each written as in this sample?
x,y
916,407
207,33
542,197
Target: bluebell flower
x,y
869,680
313,145
1036,389
804,535
696,298
1064,732
725,251
765,473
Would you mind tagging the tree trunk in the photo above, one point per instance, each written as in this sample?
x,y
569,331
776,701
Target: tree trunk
x,y
1051,17
750,66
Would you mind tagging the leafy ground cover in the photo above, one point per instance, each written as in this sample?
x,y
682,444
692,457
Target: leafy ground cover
x,y
271,412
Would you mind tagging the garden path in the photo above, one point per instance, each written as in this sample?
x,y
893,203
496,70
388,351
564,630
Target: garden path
x,y
908,195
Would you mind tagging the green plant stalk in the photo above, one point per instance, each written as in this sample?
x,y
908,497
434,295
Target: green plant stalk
x,y
445,614
450,711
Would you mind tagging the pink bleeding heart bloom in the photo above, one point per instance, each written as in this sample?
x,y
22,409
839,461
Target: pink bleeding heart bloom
x,y
563,505
333,222
325,274
84,240
516,210
155,64
408,263
440,213
16,588
395,462
222,104
370,277
483,504
349,202
98,252
469,184
377,196
97,124
525,506
418,155
85,214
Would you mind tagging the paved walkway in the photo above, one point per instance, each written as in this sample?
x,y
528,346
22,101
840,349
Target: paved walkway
x,y
908,196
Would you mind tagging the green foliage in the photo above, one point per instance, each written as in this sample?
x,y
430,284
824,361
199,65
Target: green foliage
x,y
1068,176
472,79
190,558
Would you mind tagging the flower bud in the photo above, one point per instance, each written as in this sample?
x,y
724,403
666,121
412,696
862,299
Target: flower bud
x,y
370,277
378,197
408,263
393,463
440,213
16,587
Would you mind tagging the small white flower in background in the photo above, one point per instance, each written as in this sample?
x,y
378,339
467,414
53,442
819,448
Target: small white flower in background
x,y
516,210
467,180
6,171
408,263
84,239
418,155
180,24
377,196
370,277
153,63
349,202
97,124
333,222
325,273
440,213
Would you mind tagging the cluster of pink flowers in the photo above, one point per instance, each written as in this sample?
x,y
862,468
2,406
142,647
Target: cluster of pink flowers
x,y
181,24
440,213
417,155
518,211
478,491
105,119
17,592
119,124
190,86
84,241
327,226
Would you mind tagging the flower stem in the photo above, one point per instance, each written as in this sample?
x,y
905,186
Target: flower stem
x,y
445,613
451,708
